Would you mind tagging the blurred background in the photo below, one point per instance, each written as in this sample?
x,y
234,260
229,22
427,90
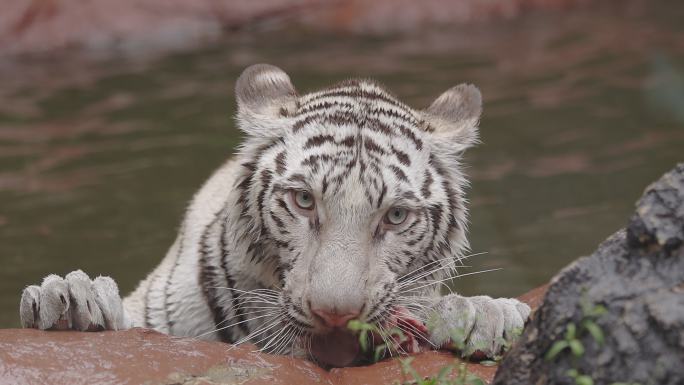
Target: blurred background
x,y
113,113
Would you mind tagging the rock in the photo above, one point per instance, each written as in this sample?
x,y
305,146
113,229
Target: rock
x,y
638,276
142,356
138,356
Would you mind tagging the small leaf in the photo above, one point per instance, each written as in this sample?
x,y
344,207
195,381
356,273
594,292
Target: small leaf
x,y
476,381
458,338
576,347
598,310
488,363
556,348
354,325
363,340
570,331
572,373
594,330
398,333
584,380
379,351
443,373
407,368
462,372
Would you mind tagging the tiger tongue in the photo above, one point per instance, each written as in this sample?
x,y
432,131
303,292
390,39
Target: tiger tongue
x,y
337,348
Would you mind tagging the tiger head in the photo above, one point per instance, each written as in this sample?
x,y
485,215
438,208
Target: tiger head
x,y
360,197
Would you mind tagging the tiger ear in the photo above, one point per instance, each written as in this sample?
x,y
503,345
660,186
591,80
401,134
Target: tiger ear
x,y
265,98
453,118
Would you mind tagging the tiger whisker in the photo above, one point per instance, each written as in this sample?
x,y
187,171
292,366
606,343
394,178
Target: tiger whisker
x,y
460,259
233,324
260,307
273,339
267,338
393,344
449,278
420,277
263,293
282,347
417,333
264,328
258,312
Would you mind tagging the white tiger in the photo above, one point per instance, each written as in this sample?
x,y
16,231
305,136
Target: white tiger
x,y
340,204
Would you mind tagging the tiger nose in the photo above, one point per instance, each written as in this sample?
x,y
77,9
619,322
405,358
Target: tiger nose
x,y
333,319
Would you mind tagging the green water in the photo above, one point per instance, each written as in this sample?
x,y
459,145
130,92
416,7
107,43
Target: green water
x,y
582,110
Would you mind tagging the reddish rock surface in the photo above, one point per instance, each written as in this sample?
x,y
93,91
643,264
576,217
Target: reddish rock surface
x,y
101,26
140,356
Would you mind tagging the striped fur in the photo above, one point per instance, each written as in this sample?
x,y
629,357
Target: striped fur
x,y
359,151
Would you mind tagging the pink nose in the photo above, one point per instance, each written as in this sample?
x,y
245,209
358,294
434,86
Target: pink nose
x,y
333,319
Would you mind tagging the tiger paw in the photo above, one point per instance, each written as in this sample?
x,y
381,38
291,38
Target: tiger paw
x,y
73,302
477,327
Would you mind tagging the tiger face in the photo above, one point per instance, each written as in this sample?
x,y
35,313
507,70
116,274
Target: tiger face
x,y
359,197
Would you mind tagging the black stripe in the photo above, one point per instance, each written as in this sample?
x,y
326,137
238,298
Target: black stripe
x,y
325,105
417,221
280,163
378,126
207,280
379,305
402,157
279,222
371,146
412,136
167,305
398,173
382,194
148,322
283,205
395,115
357,93
236,304
318,140
427,183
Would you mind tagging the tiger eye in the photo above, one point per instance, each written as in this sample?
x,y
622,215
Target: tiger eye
x,y
396,216
304,200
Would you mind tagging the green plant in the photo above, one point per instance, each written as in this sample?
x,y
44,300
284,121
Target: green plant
x,y
392,339
571,341
580,379
462,377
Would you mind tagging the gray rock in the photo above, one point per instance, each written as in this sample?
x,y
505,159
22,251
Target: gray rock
x,y
638,276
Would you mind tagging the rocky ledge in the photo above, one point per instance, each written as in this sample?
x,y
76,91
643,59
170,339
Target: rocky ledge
x,y
141,356
616,316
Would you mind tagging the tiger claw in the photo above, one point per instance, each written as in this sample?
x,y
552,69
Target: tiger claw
x,y
73,302
479,327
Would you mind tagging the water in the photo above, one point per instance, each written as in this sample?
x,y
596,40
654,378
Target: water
x,y
582,111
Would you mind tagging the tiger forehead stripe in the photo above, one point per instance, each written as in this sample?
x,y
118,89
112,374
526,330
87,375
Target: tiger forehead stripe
x,y
358,92
359,109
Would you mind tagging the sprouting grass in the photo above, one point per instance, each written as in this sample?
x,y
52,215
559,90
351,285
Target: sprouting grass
x,y
462,377
572,341
393,338
573,333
